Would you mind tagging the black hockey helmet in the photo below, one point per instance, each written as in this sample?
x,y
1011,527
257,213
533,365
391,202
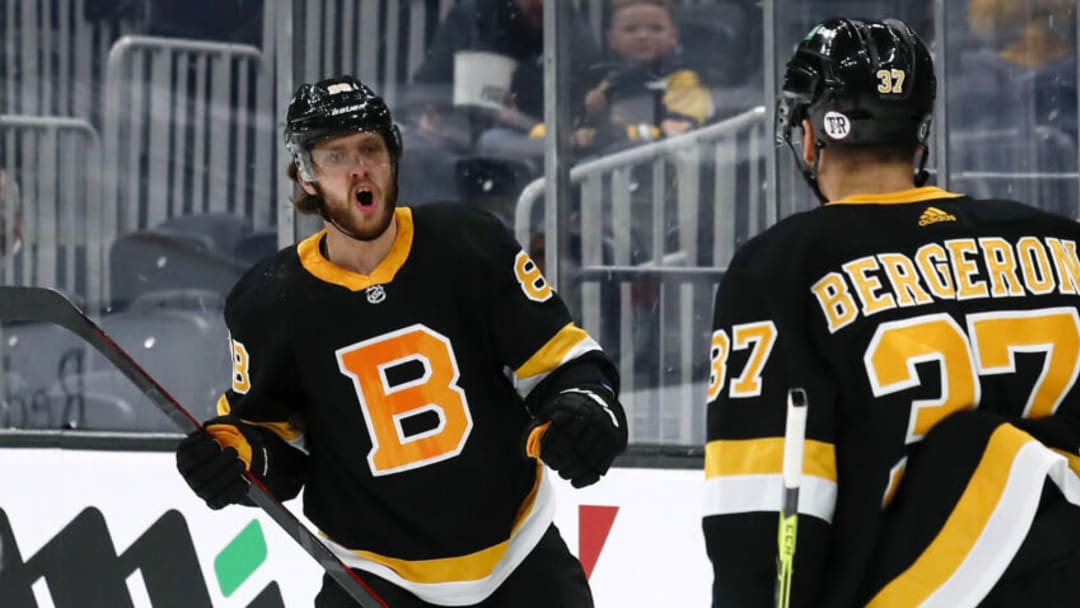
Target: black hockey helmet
x,y
861,84
336,106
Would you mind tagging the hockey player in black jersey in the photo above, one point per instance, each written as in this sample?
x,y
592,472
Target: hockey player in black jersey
x,y
937,338
410,368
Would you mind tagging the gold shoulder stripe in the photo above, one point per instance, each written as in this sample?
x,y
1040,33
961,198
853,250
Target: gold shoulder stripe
x,y
314,262
730,457
552,354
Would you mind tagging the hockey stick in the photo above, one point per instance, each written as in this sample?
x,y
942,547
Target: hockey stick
x,y
50,306
794,436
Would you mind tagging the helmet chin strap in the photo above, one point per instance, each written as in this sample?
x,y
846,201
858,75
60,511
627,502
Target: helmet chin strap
x,y
808,172
922,174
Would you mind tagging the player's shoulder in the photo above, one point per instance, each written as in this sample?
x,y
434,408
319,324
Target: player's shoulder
x,y
789,239
457,228
449,215
265,283
1006,211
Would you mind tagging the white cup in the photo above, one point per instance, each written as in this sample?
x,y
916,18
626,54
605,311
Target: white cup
x,y
482,79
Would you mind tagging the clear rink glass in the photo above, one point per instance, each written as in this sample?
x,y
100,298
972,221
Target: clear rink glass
x,y
158,190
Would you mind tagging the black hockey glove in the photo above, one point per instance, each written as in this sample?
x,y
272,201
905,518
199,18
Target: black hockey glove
x,y
580,431
212,461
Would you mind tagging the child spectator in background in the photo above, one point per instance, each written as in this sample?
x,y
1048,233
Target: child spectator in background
x,y
648,92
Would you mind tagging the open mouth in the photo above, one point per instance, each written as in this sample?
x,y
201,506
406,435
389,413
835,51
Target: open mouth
x,y
365,199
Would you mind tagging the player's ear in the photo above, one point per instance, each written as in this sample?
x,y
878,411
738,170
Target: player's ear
x,y
809,142
307,186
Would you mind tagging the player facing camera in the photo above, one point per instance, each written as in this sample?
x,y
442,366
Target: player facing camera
x,y
345,151
421,409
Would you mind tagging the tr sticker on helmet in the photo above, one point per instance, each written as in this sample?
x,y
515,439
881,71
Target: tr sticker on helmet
x,y
837,126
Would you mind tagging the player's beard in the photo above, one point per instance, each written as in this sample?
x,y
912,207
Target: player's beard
x,y
342,216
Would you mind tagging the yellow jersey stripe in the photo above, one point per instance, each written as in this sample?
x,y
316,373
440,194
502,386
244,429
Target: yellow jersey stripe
x,y
731,457
895,475
984,530
567,344
912,195
223,406
314,262
286,430
471,567
552,354
466,579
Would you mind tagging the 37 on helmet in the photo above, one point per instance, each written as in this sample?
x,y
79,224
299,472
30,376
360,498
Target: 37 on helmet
x,y
336,106
861,84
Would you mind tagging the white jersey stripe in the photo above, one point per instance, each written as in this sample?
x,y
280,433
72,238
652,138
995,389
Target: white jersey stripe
x,y
468,592
732,494
1007,526
525,385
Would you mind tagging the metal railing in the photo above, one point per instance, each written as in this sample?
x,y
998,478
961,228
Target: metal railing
x,y
50,204
1037,166
380,42
188,130
648,253
51,54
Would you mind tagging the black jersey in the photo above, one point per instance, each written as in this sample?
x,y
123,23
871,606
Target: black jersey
x,y
408,386
892,312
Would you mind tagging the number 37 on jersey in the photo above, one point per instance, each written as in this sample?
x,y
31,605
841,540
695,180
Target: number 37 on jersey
x,y
982,344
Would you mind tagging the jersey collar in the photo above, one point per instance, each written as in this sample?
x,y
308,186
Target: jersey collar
x,y
911,195
314,262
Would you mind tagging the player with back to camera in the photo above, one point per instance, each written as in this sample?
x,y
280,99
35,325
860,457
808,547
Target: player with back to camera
x,y
409,368
937,338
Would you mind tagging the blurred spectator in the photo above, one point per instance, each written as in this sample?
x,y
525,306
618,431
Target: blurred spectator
x,y
511,28
1031,34
1013,111
648,92
1028,55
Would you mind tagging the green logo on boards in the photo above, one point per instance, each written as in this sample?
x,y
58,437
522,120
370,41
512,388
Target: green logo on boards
x,y
240,558
81,566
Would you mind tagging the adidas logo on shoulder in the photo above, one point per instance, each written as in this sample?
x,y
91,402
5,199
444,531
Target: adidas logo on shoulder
x,y
933,215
